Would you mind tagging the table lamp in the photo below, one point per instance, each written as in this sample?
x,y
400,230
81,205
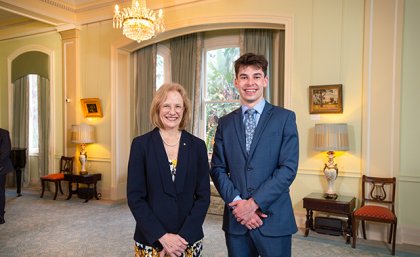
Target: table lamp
x,y
331,137
82,134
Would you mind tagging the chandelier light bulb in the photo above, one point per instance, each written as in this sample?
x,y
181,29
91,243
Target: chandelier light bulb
x,y
138,22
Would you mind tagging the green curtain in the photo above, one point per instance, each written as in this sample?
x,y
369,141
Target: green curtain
x,y
269,43
145,86
184,53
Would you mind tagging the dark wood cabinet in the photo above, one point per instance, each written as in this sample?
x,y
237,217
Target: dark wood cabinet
x,y
343,205
88,192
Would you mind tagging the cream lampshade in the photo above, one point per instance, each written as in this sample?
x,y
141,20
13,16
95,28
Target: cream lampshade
x,y
331,137
83,134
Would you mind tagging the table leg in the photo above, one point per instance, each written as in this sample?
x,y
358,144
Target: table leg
x,y
309,221
70,191
349,229
96,192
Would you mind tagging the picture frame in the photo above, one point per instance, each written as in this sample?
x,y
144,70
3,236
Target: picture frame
x,y
326,99
91,107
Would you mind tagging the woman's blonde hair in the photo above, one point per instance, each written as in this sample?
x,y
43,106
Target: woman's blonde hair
x,y
160,97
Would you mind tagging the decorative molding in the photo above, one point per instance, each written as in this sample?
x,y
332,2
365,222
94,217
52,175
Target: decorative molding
x,y
99,159
60,5
409,234
318,172
412,178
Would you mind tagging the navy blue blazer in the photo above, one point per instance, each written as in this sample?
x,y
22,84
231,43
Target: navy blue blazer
x,y
265,174
6,165
160,205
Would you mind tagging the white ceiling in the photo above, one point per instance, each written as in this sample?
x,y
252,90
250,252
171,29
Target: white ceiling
x,y
26,17
30,17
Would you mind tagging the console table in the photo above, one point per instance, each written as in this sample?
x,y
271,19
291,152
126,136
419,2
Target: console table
x,y
88,179
342,205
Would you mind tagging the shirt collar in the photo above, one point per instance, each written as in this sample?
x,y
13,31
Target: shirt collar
x,y
259,107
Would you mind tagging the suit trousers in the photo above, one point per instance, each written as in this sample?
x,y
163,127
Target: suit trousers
x,y
254,244
2,194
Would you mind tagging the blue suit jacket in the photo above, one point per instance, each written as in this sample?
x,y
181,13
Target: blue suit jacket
x,y
264,174
160,205
6,165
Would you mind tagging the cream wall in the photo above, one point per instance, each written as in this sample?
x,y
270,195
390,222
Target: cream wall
x,y
351,42
409,178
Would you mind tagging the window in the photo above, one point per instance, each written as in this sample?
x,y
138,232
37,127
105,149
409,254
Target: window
x,y
220,95
163,65
33,114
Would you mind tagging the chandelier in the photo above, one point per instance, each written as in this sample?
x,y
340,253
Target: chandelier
x,y
138,22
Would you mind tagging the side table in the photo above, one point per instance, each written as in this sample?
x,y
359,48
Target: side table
x,y
342,205
88,179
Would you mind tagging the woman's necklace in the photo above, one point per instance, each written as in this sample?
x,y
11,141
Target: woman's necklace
x,y
166,143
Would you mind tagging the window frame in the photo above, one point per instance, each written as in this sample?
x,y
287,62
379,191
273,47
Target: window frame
x,y
231,40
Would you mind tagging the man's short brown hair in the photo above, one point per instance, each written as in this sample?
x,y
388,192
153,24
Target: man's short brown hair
x,y
251,59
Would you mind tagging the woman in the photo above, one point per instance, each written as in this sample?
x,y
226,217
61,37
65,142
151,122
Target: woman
x,y
168,187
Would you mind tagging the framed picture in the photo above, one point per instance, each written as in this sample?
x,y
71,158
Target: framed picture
x,y
325,99
91,107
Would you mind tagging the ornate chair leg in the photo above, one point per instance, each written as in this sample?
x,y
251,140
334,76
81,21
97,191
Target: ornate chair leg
x,y
394,238
59,186
43,187
364,229
56,189
355,225
391,230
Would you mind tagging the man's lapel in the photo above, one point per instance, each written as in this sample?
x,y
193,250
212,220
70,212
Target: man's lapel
x,y
240,129
262,123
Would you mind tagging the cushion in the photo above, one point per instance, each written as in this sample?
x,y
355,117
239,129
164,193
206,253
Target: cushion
x,y
373,211
55,176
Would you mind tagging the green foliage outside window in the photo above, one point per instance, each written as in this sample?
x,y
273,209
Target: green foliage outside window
x,y
221,95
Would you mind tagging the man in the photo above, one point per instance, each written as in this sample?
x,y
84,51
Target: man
x,y
6,166
253,168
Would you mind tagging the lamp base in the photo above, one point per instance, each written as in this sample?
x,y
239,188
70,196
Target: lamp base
x,y
83,173
330,196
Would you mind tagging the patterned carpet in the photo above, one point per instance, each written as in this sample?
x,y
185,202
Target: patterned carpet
x,y
61,228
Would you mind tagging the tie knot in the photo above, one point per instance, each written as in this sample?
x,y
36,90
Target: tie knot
x,y
250,112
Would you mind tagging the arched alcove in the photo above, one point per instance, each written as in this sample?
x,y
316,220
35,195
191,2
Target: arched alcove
x,y
122,79
33,59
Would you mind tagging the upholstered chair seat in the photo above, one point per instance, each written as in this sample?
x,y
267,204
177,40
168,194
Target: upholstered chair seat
x,y
66,166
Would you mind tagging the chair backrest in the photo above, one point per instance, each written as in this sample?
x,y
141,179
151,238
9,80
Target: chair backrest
x,y
66,165
380,191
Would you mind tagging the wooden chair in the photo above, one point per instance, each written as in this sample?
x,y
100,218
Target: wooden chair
x,y
66,166
377,205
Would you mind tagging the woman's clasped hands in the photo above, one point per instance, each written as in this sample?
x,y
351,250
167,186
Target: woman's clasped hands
x,y
173,245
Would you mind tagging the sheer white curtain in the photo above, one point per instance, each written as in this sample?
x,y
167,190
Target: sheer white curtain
x,y
43,124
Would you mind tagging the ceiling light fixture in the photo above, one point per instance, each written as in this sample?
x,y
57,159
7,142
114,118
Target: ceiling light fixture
x,y
138,22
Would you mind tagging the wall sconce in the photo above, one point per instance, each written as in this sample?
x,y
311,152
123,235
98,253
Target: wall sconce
x,y
82,134
330,138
